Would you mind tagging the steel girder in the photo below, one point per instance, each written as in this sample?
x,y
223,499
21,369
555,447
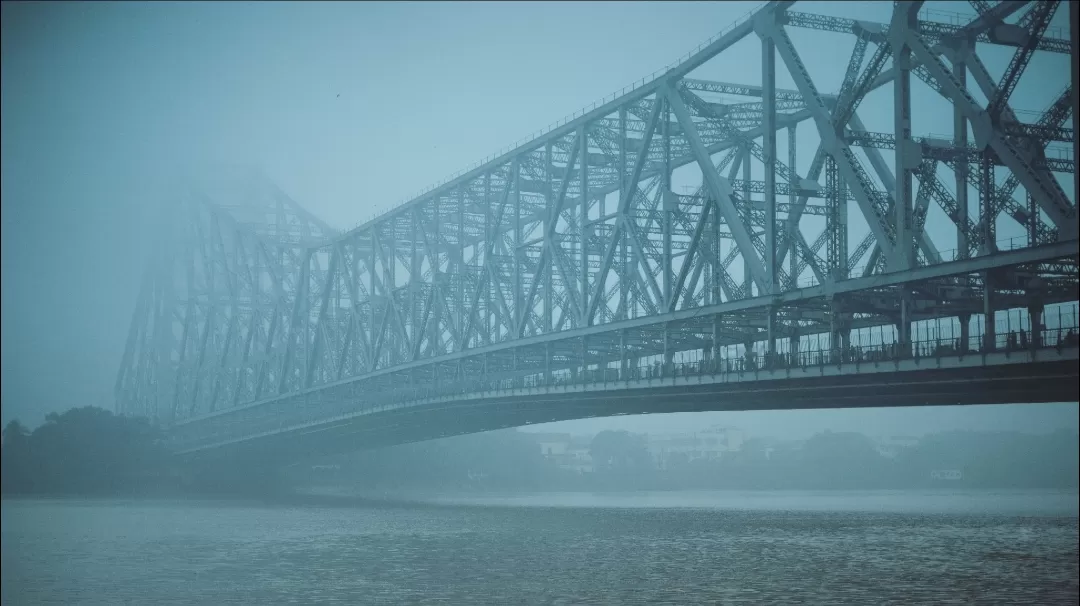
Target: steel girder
x,y
575,250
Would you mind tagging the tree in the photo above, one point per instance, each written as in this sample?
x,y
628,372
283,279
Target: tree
x,y
842,460
83,450
14,466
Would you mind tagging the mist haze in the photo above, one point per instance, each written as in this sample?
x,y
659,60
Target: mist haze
x,y
114,112
111,109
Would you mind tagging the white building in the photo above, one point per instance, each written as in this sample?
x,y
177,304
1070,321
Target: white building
x,y
892,446
566,451
553,444
579,458
709,444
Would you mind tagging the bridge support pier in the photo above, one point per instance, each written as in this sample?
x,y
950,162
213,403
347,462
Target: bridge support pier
x,y
584,358
716,341
669,356
965,333
793,345
839,333
1035,320
989,340
515,380
903,327
624,360
770,327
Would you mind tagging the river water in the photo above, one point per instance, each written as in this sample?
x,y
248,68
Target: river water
x,y
664,548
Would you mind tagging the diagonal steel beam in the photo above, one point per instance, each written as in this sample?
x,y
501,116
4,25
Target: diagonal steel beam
x,y
624,204
720,188
1060,211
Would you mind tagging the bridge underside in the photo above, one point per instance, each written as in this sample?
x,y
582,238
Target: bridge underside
x,y
1047,376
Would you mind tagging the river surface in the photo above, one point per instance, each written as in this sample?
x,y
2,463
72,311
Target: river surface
x,y
662,548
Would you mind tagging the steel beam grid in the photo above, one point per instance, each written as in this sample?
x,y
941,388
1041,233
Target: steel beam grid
x,y
574,252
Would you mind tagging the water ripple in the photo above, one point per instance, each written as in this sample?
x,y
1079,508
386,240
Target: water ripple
x,y
89,553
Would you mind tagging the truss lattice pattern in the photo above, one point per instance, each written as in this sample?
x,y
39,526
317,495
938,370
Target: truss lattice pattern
x,y
690,214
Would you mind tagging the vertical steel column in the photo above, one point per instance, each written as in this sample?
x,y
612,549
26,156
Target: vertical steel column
x,y
549,202
462,313
1033,221
665,193
414,274
584,154
903,327
842,227
625,280
624,360
965,333
835,222
793,343
770,332
745,216
960,136
904,20
989,326
668,354
792,250
547,362
839,335
392,261
716,320
372,273
987,212
624,274
1035,321
768,104
717,253
517,252
486,262
584,358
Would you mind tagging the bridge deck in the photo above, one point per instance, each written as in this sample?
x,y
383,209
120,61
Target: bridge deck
x,y
859,378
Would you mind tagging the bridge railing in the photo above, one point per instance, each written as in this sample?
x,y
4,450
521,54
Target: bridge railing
x,y
929,349
1014,342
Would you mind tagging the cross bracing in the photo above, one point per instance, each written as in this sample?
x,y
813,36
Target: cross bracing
x,y
691,214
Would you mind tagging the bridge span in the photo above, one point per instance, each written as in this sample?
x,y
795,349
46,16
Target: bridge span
x,y
325,424
662,251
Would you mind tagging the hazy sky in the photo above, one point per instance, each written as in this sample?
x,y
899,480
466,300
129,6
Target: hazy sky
x,y
349,107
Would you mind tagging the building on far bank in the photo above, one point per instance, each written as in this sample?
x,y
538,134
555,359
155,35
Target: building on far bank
x,y
891,446
579,456
566,451
552,444
710,444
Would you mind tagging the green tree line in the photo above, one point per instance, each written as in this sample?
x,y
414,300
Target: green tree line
x,y
85,450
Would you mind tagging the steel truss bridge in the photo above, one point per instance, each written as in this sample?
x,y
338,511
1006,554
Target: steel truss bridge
x,y
691,244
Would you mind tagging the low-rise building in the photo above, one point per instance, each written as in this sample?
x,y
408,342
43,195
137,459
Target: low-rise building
x,y
553,444
579,457
891,446
566,451
710,444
